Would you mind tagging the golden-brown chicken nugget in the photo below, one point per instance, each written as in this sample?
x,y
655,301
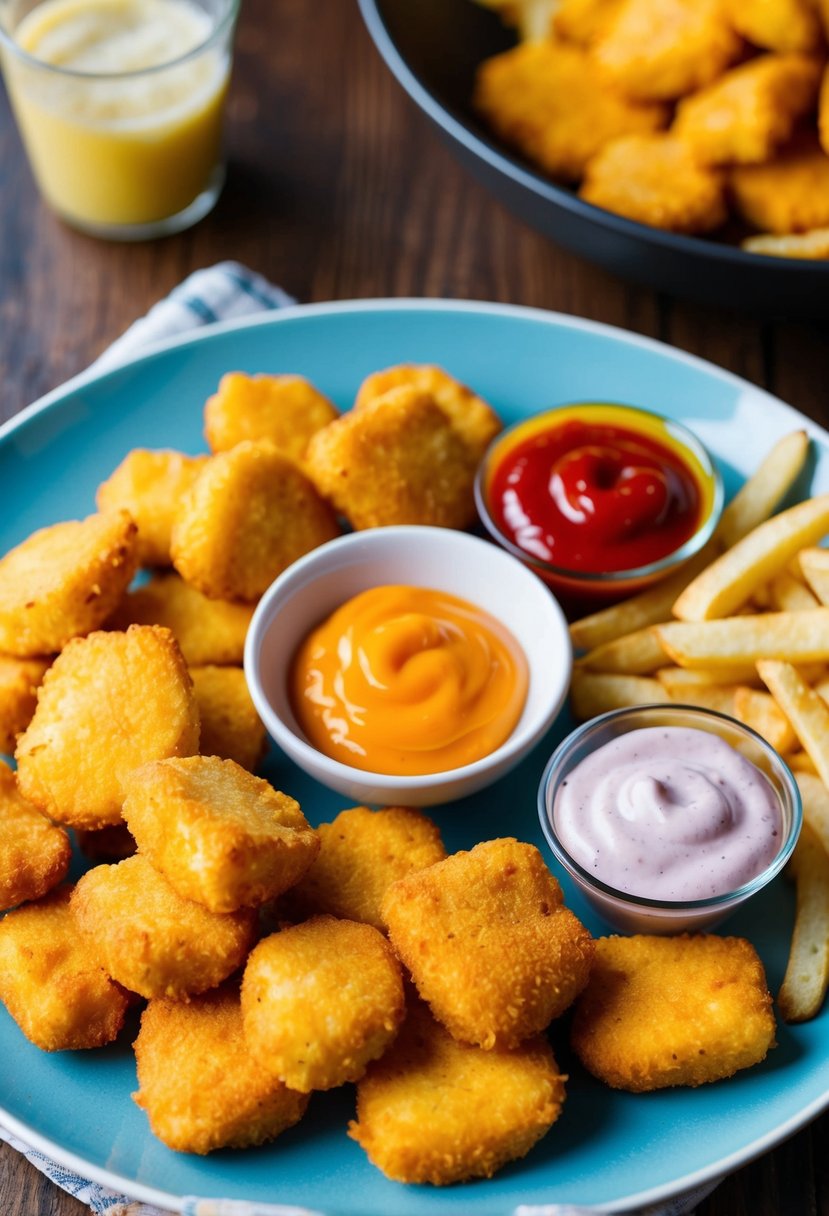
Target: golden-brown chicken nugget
x,y
662,1011
777,25
199,1083
152,940
583,21
320,1000
51,980
221,836
787,194
656,179
34,853
489,943
663,49
209,631
19,682
287,410
746,114
248,515
362,853
109,702
397,460
551,102
435,1110
474,420
230,726
149,485
64,581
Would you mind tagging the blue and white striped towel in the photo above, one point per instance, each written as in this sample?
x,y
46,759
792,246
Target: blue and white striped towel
x,y
206,297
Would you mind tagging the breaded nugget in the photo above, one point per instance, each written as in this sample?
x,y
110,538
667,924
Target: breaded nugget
x,y
208,631
787,194
152,940
776,25
656,179
661,1011
248,515
474,420
106,844
361,853
489,943
823,108
287,410
397,460
109,702
435,1110
320,1000
34,853
583,21
64,581
551,102
19,682
221,836
149,485
751,110
51,981
663,49
813,244
199,1084
230,726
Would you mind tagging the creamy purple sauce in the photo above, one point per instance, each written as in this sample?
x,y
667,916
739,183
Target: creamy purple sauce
x,y
669,813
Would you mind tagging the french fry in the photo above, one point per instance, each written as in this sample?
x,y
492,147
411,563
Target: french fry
x,y
815,798
798,637
677,679
789,594
807,972
730,580
708,696
799,762
815,566
593,693
636,653
759,496
805,709
760,711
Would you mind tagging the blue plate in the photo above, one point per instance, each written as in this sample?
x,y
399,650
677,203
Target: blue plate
x,y
609,1149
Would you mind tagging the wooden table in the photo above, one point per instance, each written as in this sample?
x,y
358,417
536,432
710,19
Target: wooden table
x,y
338,189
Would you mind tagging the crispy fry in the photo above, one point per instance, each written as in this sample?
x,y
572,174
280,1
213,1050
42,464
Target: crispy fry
x,y
34,853
761,712
778,25
593,693
787,194
801,762
814,564
769,483
287,410
708,696
804,985
789,594
814,244
815,798
149,485
805,709
230,726
765,551
677,679
797,637
638,653
19,682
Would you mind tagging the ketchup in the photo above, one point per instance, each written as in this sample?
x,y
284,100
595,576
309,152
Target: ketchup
x,y
591,496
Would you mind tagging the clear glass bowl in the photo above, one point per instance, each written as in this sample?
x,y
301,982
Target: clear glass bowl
x,y
638,913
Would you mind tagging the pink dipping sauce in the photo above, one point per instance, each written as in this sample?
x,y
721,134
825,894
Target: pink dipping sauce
x,y
669,813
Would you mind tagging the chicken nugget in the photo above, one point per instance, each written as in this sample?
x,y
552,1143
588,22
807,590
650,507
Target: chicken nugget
x,y
474,420
320,1000
823,107
221,836
776,25
662,49
435,1110
64,581
787,194
662,1011
51,981
749,111
109,702
489,943
361,853
149,485
813,244
397,460
152,940
19,682
583,21
656,179
551,102
34,853
209,631
287,410
230,726
248,515
199,1083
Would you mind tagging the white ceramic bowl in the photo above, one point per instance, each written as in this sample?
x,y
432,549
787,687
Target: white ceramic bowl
x,y
437,558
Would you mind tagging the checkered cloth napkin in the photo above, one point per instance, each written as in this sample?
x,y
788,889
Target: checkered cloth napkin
x,y
206,297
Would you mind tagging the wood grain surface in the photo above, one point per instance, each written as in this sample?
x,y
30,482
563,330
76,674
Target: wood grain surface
x,y
338,189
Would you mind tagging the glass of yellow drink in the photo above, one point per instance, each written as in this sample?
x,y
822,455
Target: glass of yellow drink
x,y
120,106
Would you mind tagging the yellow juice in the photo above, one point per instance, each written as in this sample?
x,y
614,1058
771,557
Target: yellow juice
x,y
114,136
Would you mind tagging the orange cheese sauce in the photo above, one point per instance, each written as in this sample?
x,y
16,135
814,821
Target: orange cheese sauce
x,y
406,681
